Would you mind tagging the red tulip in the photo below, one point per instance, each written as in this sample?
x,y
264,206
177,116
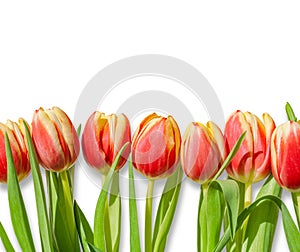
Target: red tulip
x,y
252,161
202,151
102,139
55,139
16,135
285,155
155,146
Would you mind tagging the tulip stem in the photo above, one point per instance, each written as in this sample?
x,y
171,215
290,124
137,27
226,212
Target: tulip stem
x,y
107,220
148,216
298,205
248,194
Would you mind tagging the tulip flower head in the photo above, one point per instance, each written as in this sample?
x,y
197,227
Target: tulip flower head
x,y
202,151
55,139
103,138
285,155
252,161
156,146
17,139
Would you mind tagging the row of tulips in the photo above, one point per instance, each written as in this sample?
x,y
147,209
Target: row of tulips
x,y
250,150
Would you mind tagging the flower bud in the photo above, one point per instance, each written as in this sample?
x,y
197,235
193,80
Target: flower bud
x,y
155,146
202,151
103,138
55,139
285,155
252,161
18,144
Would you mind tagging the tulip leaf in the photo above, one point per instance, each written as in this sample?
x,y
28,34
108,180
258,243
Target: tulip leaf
x,y
84,230
135,245
16,204
5,240
99,218
93,248
263,220
290,228
290,112
115,213
295,197
43,220
215,197
230,156
166,210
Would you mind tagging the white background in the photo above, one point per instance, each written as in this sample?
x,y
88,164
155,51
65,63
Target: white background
x,y
249,52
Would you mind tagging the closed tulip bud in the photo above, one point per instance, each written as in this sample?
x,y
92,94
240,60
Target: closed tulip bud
x,y
55,139
285,155
252,161
16,136
202,151
156,146
103,138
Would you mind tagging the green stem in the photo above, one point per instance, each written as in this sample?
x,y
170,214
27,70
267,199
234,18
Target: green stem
x,y
108,244
202,220
248,194
298,205
148,216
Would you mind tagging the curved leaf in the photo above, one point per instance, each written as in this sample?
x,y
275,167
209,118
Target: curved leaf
x,y
17,209
99,219
5,240
135,245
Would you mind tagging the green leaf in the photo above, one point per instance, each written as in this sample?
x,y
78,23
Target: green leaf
x,y
168,194
133,216
170,203
93,248
230,156
84,230
290,112
263,220
43,220
64,222
290,229
5,240
295,197
115,213
16,204
99,218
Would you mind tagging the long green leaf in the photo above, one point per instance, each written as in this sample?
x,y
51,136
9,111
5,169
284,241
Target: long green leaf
x,y
290,228
5,240
83,228
99,218
16,204
115,213
135,245
263,220
43,220
164,227
164,203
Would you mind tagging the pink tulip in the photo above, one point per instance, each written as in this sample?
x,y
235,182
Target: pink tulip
x,y
285,155
103,138
55,139
17,139
202,151
155,146
252,161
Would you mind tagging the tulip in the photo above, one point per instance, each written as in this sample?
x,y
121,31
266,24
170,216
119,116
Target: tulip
x,y
102,139
16,135
202,151
252,161
55,139
155,146
285,155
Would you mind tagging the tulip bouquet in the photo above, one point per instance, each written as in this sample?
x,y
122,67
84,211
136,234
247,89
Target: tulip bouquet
x,y
250,150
